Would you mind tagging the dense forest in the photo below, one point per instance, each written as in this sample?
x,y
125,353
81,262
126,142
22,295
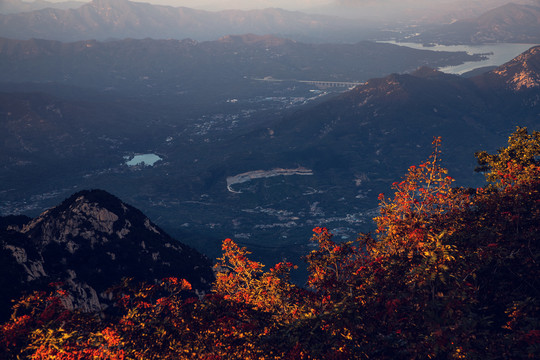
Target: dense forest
x,y
449,273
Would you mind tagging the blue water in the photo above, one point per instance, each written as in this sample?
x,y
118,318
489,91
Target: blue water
x,y
144,159
497,54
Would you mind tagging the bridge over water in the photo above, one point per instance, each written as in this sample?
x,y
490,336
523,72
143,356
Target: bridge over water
x,y
320,83
331,83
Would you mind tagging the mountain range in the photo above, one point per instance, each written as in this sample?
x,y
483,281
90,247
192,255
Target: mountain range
x,y
517,23
90,242
18,6
119,19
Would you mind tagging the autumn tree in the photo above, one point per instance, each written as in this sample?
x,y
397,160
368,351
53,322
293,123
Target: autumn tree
x,y
44,325
240,279
516,162
506,224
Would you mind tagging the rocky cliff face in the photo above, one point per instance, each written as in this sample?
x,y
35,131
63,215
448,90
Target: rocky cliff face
x,y
90,242
523,72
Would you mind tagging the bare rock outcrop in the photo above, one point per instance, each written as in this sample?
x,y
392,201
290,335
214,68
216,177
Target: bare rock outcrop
x,y
90,242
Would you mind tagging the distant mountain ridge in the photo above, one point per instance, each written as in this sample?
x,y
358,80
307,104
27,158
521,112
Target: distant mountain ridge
x,y
18,6
90,242
150,64
516,23
119,19
509,23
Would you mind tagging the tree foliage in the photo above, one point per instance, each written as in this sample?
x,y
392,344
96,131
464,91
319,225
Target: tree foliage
x,y
450,273
520,156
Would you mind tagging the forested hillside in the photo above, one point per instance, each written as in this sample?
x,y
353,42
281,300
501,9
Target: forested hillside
x,y
449,273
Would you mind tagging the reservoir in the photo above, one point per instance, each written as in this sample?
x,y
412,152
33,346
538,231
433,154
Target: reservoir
x,y
497,54
144,159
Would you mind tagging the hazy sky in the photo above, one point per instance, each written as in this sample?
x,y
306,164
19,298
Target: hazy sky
x,y
299,4
233,4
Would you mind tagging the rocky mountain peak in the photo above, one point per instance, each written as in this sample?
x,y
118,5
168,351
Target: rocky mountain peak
x,y
90,242
523,72
94,215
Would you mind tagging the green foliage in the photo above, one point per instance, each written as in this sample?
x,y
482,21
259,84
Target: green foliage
x,y
451,274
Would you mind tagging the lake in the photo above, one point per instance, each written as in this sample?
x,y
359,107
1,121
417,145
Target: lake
x,y
497,54
144,159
